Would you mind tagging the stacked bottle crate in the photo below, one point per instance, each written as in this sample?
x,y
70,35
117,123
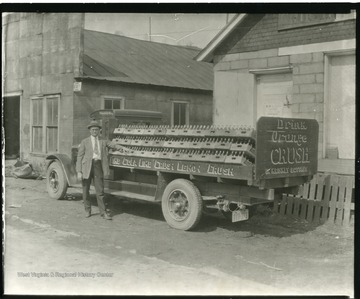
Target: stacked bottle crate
x,y
224,144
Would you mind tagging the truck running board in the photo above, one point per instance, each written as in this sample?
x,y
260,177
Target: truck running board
x,y
130,195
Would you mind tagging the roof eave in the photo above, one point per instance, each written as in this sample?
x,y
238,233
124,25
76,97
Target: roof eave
x,y
206,54
114,79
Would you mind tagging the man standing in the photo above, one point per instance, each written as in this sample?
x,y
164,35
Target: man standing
x,y
92,163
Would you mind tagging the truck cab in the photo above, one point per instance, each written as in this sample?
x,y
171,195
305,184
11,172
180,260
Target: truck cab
x,y
61,172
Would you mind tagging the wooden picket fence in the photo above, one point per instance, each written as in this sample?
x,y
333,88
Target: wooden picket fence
x,y
326,198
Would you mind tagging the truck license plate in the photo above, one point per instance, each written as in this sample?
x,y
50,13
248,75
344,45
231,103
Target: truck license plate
x,y
240,215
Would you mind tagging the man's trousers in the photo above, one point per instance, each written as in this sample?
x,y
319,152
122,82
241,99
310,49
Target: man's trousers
x,y
96,174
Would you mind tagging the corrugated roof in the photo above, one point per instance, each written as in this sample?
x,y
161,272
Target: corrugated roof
x,y
119,58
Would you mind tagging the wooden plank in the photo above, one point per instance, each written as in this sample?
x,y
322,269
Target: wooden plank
x,y
301,190
348,197
296,207
305,191
315,212
303,208
322,179
340,202
283,204
290,203
334,197
310,210
312,188
325,202
276,205
318,208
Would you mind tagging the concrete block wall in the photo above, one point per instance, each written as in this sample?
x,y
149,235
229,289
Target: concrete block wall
x,y
138,97
307,74
41,52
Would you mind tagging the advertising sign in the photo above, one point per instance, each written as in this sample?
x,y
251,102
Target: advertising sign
x,y
286,147
186,167
296,20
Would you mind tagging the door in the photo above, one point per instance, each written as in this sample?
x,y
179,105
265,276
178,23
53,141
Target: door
x,y
233,98
274,95
340,107
12,126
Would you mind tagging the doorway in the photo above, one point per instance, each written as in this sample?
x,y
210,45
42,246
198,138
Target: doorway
x,y
12,126
340,107
274,95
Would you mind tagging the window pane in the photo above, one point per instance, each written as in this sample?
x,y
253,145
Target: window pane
x,y
108,104
52,111
37,112
52,136
37,139
176,114
116,104
182,114
49,111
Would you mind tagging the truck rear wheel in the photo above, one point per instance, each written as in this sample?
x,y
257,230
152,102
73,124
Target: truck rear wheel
x,y
56,183
182,204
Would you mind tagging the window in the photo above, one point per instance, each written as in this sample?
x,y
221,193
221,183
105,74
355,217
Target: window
x,y
180,113
45,119
113,103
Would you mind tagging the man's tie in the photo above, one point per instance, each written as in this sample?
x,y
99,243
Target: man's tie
x,y
96,147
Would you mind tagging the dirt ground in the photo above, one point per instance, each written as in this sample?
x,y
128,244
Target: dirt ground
x,y
51,248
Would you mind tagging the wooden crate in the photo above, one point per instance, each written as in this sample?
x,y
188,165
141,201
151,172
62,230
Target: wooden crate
x,y
327,198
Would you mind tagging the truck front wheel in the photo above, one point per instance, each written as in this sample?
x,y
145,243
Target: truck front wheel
x,y
182,204
56,183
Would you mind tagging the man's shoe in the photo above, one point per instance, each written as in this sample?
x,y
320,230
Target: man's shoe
x,y
106,216
88,214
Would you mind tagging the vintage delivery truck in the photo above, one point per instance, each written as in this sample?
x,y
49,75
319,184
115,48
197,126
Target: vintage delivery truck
x,y
192,169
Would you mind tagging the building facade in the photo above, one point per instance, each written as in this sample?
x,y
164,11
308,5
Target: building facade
x,y
177,106
289,65
56,74
40,60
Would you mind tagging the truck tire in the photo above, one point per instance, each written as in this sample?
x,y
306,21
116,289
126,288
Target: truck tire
x,y
56,183
182,204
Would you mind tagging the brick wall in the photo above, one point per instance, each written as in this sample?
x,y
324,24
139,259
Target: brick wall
x,y
262,33
308,79
138,97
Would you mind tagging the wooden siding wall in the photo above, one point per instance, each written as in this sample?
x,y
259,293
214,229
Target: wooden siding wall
x,y
138,97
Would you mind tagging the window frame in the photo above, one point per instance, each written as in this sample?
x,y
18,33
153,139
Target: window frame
x,y
120,98
44,124
187,110
327,60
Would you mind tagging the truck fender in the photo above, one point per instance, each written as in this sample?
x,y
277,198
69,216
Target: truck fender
x,y
163,180
67,166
